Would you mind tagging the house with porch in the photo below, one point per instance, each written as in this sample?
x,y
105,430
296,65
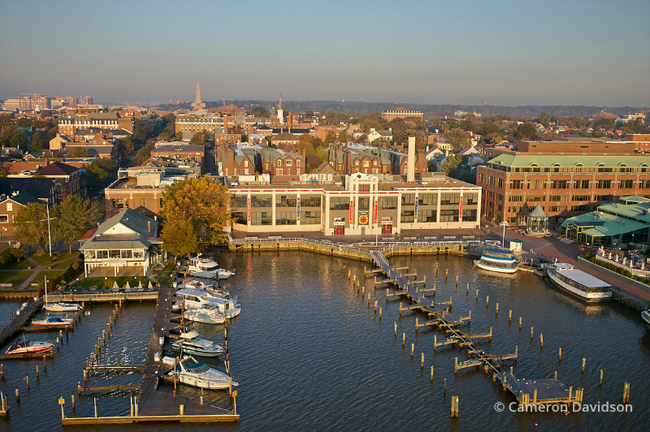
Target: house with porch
x,y
126,240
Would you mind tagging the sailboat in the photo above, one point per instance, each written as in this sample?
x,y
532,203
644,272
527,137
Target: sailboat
x,y
59,307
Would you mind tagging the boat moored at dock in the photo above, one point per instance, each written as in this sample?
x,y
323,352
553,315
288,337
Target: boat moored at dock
x,y
645,315
22,347
204,316
192,372
191,343
578,283
53,322
497,260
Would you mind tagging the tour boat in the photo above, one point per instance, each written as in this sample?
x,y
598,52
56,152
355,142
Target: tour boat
x,y
197,374
497,260
578,283
205,316
645,315
52,322
199,299
29,347
190,342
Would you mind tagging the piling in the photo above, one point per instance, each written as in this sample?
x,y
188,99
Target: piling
x,y
400,308
467,288
57,342
510,316
431,372
497,310
477,295
555,375
601,377
531,333
2,371
535,397
395,324
487,300
375,305
519,323
541,340
37,375
422,361
444,386
403,340
181,409
412,349
560,354
17,395
85,372
626,392
454,406
379,313
457,282
27,381
446,273
584,360
72,398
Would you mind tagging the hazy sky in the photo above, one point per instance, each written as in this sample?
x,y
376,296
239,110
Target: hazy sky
x,y
566,52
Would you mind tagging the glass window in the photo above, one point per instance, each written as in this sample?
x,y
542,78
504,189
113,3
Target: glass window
x,y
286,201
340,203
285,218
387,203
261,201
451,215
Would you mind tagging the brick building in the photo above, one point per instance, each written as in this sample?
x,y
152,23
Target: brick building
x,y
9,206
641,142
353,158
179,150
249,160
100,120
565,177
402,113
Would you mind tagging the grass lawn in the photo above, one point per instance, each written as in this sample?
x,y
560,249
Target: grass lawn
x,y
46,261
51,274
43,259
14,277
20,266
121,282
62,265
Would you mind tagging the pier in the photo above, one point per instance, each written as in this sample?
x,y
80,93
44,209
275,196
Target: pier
x,y
538,391
19,321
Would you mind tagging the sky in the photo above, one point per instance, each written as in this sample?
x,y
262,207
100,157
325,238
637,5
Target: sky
x,y
520,52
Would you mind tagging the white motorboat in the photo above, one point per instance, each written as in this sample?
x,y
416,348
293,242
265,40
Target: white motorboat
x,y
192,372
497,260
29,347
59,307
53,322
205,316
645,315
198,299
201,264
219,273
578,283
190,342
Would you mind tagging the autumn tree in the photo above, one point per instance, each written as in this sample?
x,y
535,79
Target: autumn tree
x,y
74,216
99,173
30,223
180,238
203,202
78,152
457,138
526,131
330,137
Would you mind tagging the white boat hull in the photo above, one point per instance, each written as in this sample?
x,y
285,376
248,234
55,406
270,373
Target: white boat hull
x,y
483,266
645,315
62,307
589,297
199,316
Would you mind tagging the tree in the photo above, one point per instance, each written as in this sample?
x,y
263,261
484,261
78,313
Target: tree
x,y
99,173
330,137
545,119
457,138
74,217
31,225
244,138
37,142
200,138
203,202
604,124
143,154
180,238
304,142
526,131
78,152
260,111
140,133
344,137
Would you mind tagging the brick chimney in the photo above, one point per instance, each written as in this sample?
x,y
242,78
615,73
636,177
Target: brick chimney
x,y
149,226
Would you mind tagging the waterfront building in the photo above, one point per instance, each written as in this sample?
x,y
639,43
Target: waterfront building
x,y
565,177
127,239
402,113
627,221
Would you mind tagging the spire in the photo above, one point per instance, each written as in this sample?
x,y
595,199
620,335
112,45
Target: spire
x,y
198,93
280,111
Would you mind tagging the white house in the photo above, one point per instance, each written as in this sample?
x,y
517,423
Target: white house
x,y
128,239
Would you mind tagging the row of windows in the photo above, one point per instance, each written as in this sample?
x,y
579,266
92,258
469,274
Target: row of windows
x,y
115,254
575,169
578,184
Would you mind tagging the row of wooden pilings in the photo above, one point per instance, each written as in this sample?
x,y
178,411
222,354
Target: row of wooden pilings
x,y
454,409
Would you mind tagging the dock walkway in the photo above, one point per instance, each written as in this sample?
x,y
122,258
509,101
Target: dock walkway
x,y
541,390
19,321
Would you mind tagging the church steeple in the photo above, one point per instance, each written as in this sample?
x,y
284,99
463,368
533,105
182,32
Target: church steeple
x,y
280,111
197,104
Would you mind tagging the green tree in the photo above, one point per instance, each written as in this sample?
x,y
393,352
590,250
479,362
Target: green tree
x,y
99,173
37,142
74,216
260,111
180,238
344,137
200,138
330,137
78,152
604,124
457,138
526,131
203,202
143,154
545,119
30,225
244,138
140,133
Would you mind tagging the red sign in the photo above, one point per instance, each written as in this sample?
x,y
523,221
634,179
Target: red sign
x,y
460,212
249,209
351,210
375,212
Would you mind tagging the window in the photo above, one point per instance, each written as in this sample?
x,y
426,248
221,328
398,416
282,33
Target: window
x,y
285,218
102,254
470,215
286,201
366,163
310,218
340,204
138,253
298,163
115,253
239,217
240,201
604,184
260,218
279,162
427,215
288,162
4,218
535,198
559,184
10,206
627,184
428,199
582,208
310,200
261,201
537,184
89,254
408,216
449,199
120,203
408,199
387,203
604,198
471,198
582,184
602,168
558,198
126,254
517,184
364,203
581,198
449,215
514,198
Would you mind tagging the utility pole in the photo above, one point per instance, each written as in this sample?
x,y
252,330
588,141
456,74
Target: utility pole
x,y
49,233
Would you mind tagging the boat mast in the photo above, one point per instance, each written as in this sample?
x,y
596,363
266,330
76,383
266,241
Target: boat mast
x,y
45,290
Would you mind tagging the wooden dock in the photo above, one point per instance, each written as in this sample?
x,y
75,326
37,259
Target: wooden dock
x,y
19,321
539,391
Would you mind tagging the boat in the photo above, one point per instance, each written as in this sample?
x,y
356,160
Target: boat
x,y
205,316
52,322
193,298
29,347
497,260
645,315
190,342
219,273
59,307
578,283
192,372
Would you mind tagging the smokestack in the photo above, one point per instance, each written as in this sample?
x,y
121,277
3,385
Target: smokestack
x,y
410,173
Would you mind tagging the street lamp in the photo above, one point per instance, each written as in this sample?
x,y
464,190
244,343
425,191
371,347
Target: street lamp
x,y
504,224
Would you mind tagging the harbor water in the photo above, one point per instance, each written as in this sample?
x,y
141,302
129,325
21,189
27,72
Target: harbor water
x,y
310,354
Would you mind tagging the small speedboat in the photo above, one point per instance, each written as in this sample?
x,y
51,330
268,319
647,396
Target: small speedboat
x,y
205,316
62,307
190,342
192,372
52,322
645,315
29,347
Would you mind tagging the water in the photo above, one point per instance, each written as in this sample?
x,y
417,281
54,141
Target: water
x,y
310,354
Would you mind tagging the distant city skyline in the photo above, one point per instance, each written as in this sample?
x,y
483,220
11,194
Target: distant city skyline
x,y
504,52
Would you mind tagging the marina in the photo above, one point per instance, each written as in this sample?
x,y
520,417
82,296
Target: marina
x,y
333,311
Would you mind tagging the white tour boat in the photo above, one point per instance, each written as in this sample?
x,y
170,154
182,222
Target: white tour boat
x,y
578,283
497,260
197,374
198,299
205,316
191,343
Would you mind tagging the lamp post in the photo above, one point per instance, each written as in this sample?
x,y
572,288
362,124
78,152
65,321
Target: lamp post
x,y
504,224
